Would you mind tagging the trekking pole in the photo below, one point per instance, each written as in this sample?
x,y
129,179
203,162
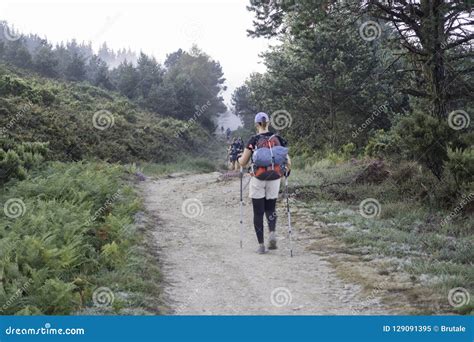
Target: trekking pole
x,y
289,214
241,206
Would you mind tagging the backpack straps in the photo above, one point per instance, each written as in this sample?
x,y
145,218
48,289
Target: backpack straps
x,y
271,151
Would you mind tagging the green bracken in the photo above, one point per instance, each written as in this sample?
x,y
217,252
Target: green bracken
x,y
59,250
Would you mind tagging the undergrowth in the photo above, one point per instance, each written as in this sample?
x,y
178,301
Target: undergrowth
x,y
72,233
412,220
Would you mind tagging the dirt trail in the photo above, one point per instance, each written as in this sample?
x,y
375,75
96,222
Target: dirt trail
x,y
207,273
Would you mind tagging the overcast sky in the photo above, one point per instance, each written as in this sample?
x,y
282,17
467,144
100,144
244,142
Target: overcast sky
x,y
156,27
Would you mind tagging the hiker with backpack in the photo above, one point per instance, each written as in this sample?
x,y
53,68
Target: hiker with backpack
x,y
268,155
234,152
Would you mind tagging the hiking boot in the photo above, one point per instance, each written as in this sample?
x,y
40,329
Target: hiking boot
x,y
261,249
272,243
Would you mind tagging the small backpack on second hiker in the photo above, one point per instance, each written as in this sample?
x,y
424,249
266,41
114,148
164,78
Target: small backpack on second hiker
x,y
269,158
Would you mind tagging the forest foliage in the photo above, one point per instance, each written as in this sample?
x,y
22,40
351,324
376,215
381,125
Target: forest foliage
x,y
390,77
185,82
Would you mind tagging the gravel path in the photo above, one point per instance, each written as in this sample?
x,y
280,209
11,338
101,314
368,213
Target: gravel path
x,y
206,272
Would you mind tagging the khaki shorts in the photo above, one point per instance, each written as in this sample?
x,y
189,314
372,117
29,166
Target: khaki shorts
x,y
260,188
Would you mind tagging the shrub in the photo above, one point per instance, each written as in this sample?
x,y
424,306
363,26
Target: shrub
x,y
383,144
348,150
424,138
375,172
461,165
54,254
16,159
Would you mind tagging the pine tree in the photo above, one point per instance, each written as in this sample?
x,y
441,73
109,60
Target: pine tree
x,y
45,61
126,79
76,69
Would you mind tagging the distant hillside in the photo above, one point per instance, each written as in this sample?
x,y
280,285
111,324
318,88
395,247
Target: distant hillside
x,y
187,85
80,121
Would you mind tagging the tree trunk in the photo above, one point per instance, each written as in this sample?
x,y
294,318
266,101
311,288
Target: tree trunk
x,y
432,27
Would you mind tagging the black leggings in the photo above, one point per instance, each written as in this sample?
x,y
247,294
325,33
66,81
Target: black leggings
x,y
263,206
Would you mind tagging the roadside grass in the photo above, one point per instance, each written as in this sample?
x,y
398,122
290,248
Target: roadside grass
x,y
186,165
80,229
408,228
212,159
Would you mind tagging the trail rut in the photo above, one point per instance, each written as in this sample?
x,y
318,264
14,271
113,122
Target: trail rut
x,y
206,273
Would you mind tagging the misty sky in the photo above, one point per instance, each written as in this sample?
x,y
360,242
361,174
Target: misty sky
x,y
156,27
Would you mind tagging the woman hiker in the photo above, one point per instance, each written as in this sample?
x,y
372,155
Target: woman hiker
x,y
268,153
